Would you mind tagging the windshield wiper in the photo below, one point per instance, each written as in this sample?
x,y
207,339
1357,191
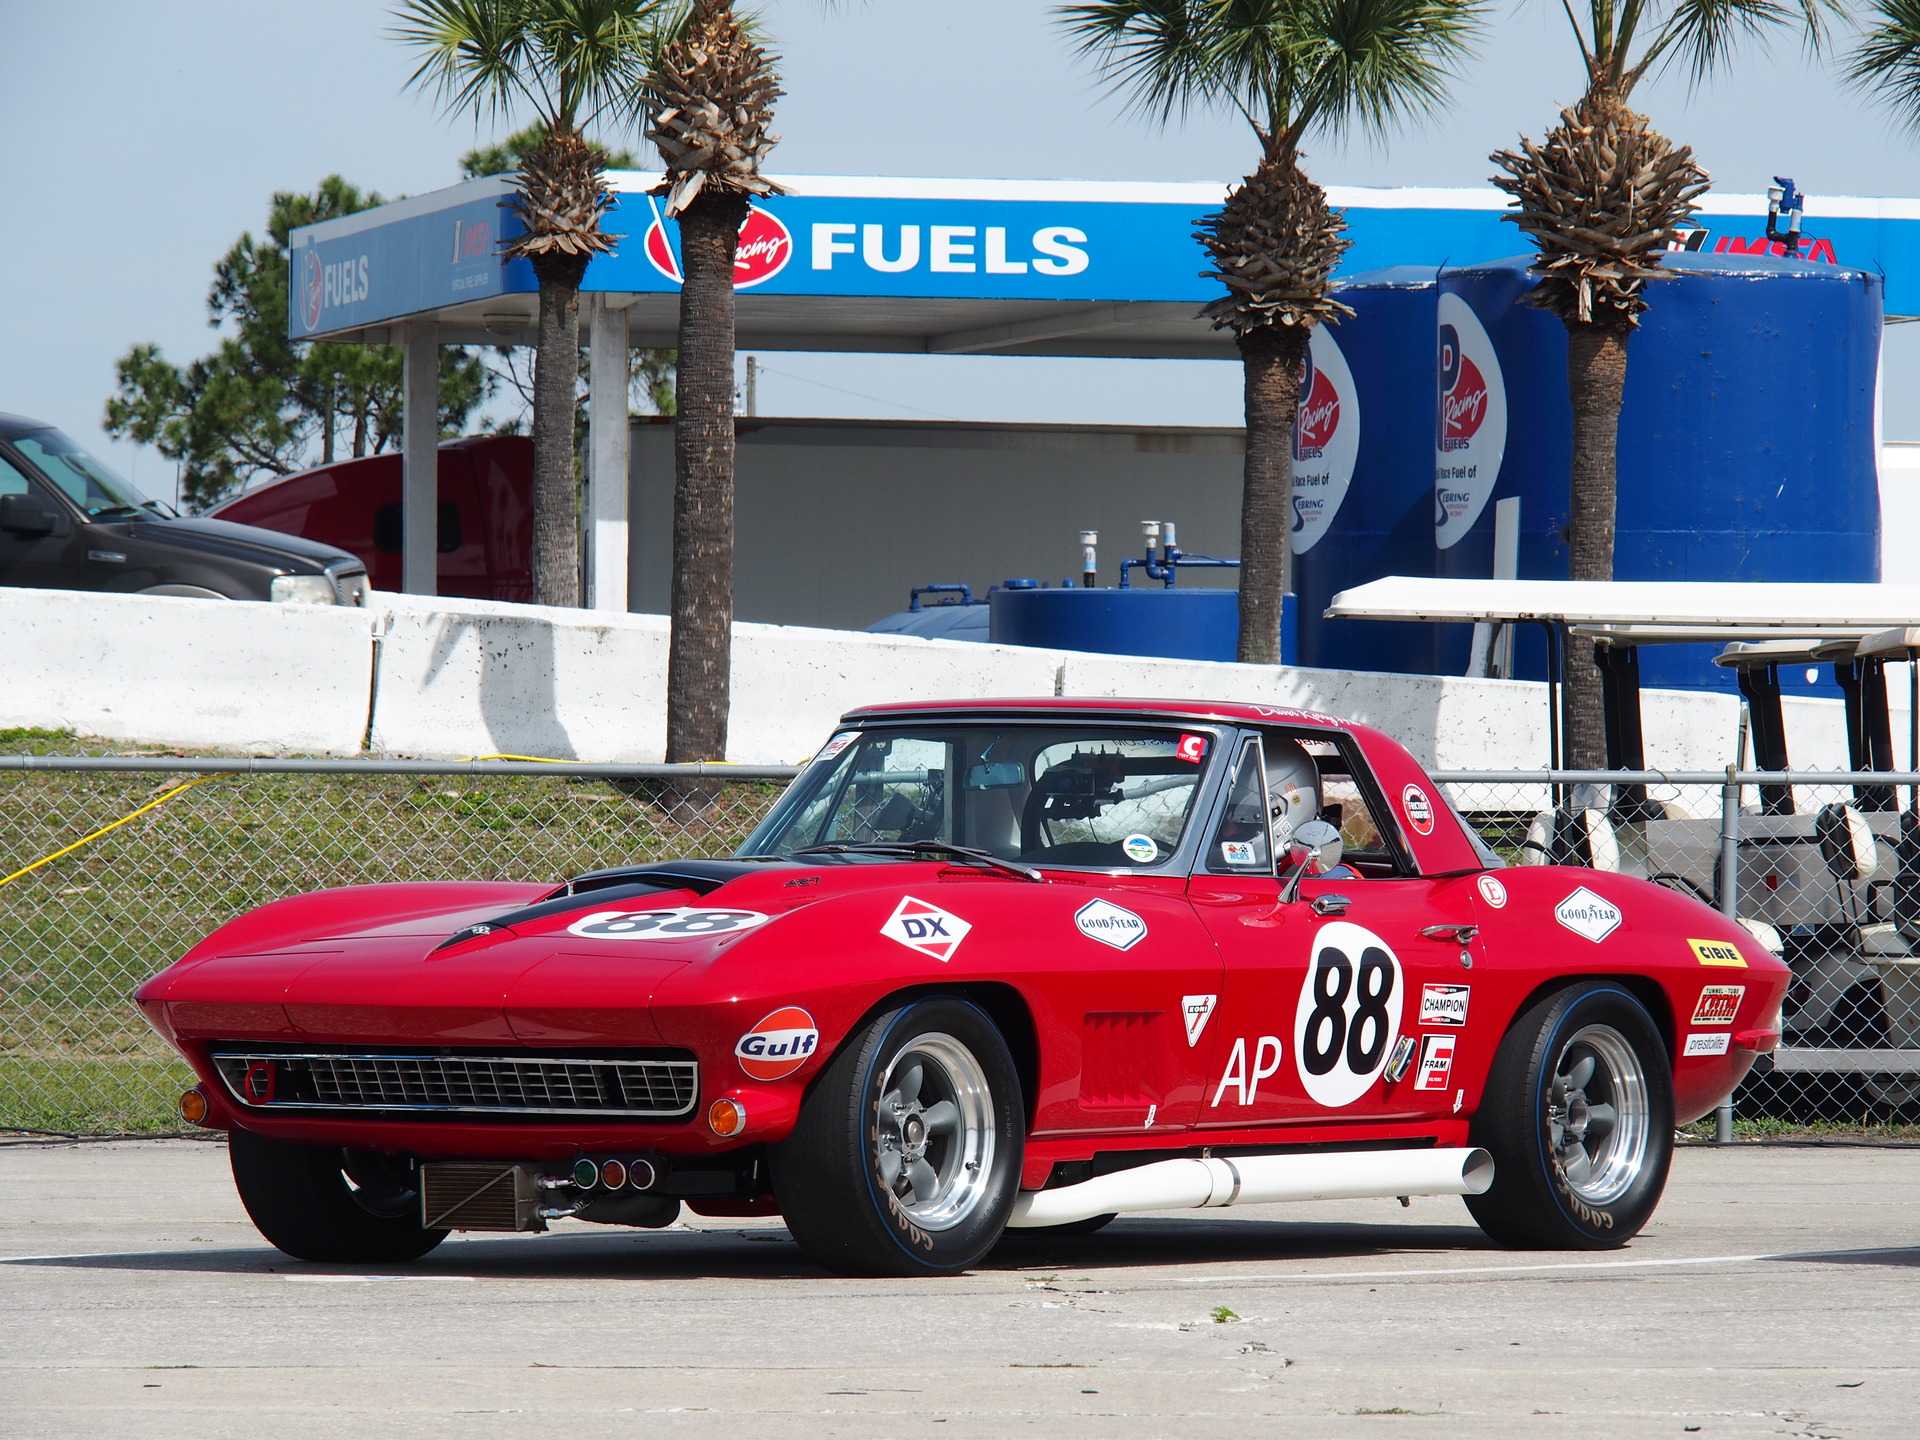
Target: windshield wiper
x,y
926,848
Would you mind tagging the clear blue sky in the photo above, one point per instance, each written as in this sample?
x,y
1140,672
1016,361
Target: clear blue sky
x,y
137,140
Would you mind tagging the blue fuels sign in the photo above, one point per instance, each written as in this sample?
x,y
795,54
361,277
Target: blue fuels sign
x,y
1047,241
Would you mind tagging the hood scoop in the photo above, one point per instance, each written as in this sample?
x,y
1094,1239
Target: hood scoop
x,y
703,877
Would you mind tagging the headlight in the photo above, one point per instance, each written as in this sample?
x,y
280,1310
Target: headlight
x,y
353,587
1765,934
301,590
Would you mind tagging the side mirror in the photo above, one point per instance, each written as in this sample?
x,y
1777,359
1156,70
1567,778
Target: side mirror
x,y
28,514
1315,843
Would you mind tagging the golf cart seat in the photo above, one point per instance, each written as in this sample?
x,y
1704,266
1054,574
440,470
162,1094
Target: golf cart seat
x,y
1570,836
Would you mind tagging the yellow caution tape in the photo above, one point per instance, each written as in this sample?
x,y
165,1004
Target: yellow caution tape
x,y
104,829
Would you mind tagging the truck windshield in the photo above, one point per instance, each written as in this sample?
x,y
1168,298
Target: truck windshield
x,y
87,482
1105,797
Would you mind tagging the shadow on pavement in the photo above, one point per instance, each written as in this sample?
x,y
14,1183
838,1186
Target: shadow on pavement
x,y
1903,1255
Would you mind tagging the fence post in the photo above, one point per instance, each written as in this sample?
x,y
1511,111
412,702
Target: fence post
x,y
1729,906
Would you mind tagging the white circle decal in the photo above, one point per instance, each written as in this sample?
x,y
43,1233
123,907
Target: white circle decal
x,y
1326,440
1493,892
1349,1013
1471,434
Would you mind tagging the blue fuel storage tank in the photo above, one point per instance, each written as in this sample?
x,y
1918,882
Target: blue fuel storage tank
x,y
1746,447
1362,486
1180,624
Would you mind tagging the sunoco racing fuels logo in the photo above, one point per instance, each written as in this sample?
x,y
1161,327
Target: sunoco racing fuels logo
x,y
1326,440
311,292
1471,430
779,1045
764,248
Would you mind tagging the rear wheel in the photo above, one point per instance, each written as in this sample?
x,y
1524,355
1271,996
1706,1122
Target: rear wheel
x,y
906,1156
1578,1116
317,1202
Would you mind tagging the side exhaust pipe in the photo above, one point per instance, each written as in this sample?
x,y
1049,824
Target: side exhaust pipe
x,y
1260,1180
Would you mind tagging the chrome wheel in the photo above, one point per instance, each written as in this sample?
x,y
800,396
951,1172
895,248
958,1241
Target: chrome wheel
x,y
934,1133
1599,1115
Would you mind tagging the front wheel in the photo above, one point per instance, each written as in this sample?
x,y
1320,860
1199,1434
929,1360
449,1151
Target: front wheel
x,y
906,1156
1578,1116
317,1202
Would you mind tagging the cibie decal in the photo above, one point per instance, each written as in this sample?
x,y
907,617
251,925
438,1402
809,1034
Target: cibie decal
x,y
676,924
1471,436
1436,1062
1141,849
1419,809
1587,915
779,1045
1192,748
1244,1082
1707,1044
1444,1004
1326,440
1493,892
1194,1009
926,928
1348,1015
762,252
1110,925
1718,952
1718,1004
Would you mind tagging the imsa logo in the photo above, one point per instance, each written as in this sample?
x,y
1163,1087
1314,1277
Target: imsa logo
x,y
779,1045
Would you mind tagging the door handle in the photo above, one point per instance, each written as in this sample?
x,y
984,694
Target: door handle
x,y
1330,904
1452,934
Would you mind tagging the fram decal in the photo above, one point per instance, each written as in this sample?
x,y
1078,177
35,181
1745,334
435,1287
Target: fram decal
x,y
1419,809
1718,952
1718,1004
690,923
1444,1004
1106,922
779,1045
1436,1062
1589,916
1707,1044
1194,1009
926,928
1493,892
1245,1083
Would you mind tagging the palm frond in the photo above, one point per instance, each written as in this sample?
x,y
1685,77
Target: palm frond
x,y
1156,53
472,52
1886,62
1372,64
1703,34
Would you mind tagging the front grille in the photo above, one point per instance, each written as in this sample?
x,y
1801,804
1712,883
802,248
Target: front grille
x,y
463,1084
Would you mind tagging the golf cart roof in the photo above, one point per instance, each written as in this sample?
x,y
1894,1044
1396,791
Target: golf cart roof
x,y
1646,612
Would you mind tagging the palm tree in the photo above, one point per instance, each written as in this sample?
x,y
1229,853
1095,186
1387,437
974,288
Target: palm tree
x,y
710,98
1887,59
1292,68
568,62
1602,197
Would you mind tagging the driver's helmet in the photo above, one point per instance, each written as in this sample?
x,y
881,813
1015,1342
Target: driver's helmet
x,y
1293,789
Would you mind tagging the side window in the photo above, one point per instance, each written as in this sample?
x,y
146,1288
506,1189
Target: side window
x,y
897,791
1240,844
12,482
1345,791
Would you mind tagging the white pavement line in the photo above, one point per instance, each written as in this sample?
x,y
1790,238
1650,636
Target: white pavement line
x,y
1485,1269
366,1279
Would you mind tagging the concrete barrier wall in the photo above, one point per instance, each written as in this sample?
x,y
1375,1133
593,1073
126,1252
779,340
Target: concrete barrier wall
x,y
448,679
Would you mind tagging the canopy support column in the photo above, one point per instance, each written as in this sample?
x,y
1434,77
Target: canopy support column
x,y
609,376
420,462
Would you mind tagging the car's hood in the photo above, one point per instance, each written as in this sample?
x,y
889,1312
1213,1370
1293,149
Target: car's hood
x,y
235,542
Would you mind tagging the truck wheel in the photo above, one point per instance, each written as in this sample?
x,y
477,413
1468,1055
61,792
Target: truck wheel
x,y
906,1156
1578,1116
320,1203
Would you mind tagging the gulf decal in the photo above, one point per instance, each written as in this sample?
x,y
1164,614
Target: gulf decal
x,y
926,928
1718,952
1418,809
1471,437
1326,440
1718,1004
779,1045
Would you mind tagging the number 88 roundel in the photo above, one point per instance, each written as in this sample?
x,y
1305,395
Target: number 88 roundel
x,y
1349,1013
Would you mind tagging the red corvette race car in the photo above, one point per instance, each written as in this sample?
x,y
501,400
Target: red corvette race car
x,y
986,964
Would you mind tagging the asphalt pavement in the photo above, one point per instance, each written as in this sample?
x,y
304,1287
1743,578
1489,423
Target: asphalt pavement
x,y
1776,1293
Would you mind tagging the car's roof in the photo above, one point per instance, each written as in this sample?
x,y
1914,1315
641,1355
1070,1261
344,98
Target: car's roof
x,y
12,425
1237,712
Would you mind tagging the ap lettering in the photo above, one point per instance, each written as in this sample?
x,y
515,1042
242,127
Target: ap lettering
x,y
1237,1077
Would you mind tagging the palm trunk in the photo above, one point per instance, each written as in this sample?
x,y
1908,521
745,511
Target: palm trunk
x,y
700,655
1596,379
556,374
1272,357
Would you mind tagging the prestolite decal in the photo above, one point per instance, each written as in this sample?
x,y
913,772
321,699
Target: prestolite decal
x,y
1708,1044
926,928
779,1045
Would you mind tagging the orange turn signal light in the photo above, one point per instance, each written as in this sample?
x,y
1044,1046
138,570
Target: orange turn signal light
x,y
194,1107
727,1117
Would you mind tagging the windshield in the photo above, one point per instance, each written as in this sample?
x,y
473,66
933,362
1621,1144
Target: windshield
x,y
1102,796
87,482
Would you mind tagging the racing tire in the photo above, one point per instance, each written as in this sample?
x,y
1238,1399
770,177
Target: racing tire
x,y
906,1157
300,1198
1578,1117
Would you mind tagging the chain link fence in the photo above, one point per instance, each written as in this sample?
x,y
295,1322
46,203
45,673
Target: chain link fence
x,y
77,935
1825,868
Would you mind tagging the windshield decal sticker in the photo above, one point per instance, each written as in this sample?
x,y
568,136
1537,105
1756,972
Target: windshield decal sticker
x,y
1141,849
1192,748
926,928
1106,922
